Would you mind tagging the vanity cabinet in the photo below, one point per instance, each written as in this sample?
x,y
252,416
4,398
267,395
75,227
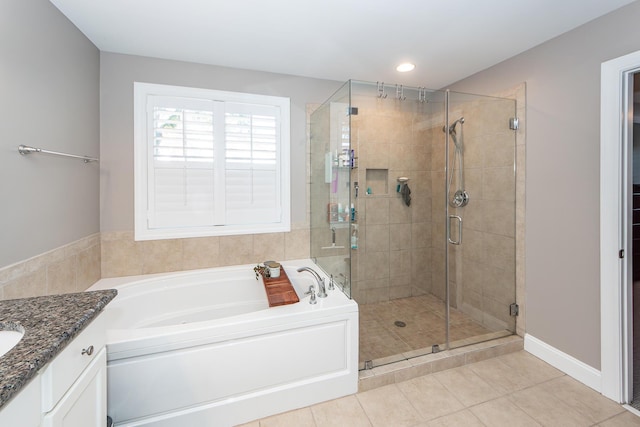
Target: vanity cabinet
x,y
74,392
85,403
70,391
22,410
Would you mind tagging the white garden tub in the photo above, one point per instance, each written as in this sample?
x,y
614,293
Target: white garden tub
x,y
202,348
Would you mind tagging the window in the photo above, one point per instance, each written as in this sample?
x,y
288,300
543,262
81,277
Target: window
x,y
209,163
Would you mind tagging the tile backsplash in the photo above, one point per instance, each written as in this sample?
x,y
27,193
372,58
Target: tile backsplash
x,y
70,268
123,256
78,265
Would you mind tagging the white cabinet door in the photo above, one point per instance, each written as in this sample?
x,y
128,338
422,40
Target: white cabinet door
x,y
24,409
85,403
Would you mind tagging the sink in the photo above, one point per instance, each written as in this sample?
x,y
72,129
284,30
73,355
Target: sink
x,y
10,334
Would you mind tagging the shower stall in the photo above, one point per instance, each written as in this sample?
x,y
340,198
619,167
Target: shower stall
x,y
413,214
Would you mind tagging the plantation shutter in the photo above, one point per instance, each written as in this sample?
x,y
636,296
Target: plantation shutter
x,y
212,163
181,172
252,163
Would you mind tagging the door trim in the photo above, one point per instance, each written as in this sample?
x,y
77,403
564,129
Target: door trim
x,y
615,298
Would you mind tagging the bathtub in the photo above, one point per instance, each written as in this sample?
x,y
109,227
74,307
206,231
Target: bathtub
x,y
202,348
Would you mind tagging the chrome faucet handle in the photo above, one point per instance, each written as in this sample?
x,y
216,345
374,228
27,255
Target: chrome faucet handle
x,y
332,286
312,291
322,293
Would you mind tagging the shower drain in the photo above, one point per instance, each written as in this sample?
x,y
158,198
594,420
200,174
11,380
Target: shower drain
x,y
399,323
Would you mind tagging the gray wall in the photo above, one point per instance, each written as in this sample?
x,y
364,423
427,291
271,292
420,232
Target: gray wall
x,y
562,183
118,72
49,89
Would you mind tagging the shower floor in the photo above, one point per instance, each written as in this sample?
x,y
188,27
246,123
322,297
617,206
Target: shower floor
x,y
382,341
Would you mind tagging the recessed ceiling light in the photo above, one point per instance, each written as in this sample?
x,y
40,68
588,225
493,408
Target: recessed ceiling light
x,y
406,66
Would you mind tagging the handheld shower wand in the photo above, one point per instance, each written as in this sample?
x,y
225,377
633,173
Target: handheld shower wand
x,y
460,198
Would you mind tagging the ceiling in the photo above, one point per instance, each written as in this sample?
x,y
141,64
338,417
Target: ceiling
x,y
333,39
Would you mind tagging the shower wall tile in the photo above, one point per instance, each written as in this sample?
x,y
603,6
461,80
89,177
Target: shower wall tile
x,y
377,210
499,184
474,248
399,265
499,217
501,250
422,153
421,208
70,268
498,285
473,183
474,150
400,291
399,212
421,235
377,295
473,277
420,183
374,156
400,155
437,158
473,216
399,236
377,238
499,152
376,266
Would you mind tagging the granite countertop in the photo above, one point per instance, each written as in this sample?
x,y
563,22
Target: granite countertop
x,y
50,323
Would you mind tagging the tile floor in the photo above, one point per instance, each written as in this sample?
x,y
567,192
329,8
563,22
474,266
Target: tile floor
x,y
516,389
424,317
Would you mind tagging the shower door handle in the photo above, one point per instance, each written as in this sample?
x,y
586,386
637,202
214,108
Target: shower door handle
x,y
454,242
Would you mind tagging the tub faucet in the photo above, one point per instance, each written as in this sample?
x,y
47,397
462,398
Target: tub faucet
x,y
322,292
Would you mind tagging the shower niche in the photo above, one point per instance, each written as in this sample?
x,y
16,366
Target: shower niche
x,y
377,181
420,230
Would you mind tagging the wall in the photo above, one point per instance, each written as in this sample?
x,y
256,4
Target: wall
x,y
123,256
562,195
49,81
394,255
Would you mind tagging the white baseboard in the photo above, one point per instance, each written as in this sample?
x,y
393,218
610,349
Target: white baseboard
x,y
564,362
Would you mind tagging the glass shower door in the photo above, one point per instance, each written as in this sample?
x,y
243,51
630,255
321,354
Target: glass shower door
x,y
479,201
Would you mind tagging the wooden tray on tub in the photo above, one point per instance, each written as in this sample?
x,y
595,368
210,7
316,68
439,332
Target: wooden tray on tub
x,y
279,289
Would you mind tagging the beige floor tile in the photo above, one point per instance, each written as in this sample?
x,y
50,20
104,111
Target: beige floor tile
x,y
251,424
298,418
466,386
547,409
502,412
626,419
340,412
463,418
430,398
387,406
532,369
501,376
582,399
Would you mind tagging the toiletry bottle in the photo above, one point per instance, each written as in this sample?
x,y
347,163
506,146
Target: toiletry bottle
x,y
354,236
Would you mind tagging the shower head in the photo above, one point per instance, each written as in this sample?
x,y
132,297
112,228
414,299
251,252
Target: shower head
x,y
452,128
